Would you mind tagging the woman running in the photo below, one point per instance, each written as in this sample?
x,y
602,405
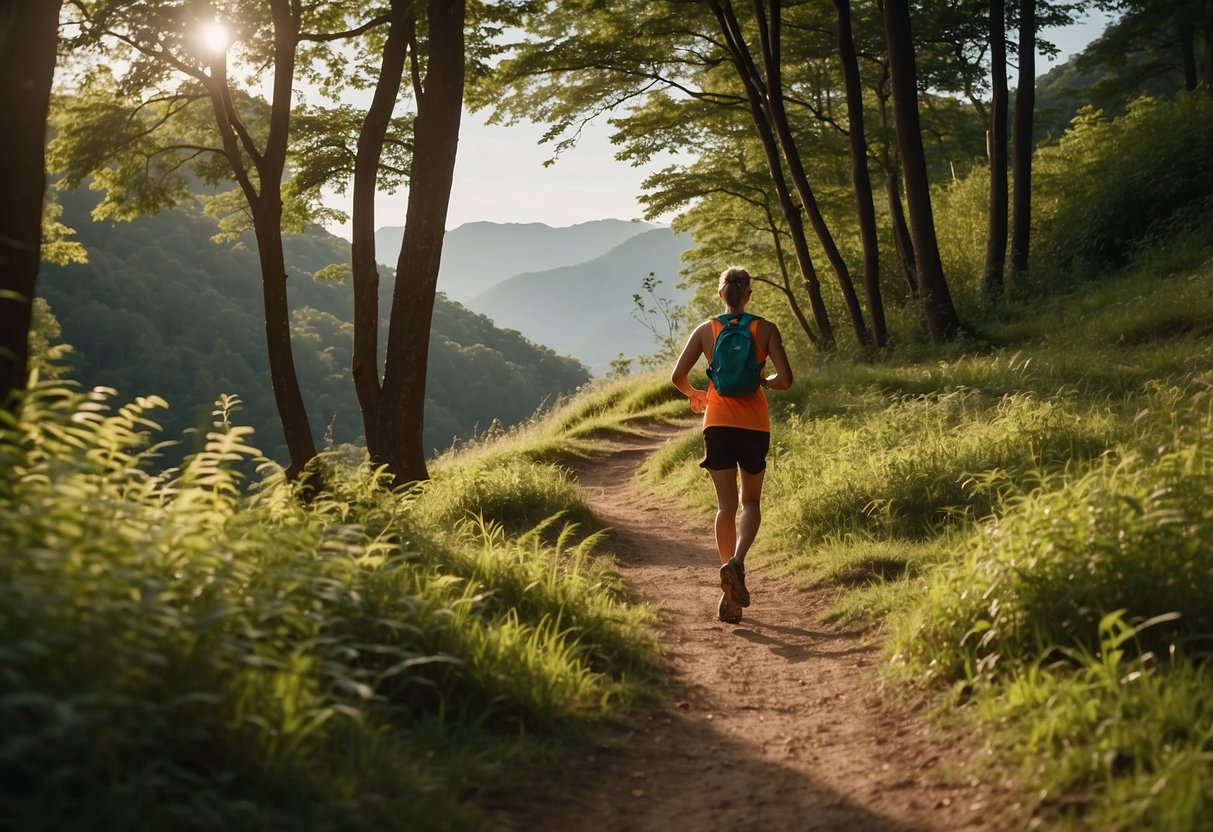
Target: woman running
x,y
736,433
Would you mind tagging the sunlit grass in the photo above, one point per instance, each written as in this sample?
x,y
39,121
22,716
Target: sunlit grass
x,y
180,653
1011,509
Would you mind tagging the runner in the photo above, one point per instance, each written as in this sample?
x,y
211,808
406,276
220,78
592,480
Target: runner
x,y
736,428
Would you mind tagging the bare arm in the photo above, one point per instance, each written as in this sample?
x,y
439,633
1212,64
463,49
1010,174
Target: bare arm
x,y
684,365
782,379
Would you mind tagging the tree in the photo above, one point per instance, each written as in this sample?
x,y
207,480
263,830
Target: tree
x,y
938,311
28,41
861,181
1021,139
176,108
729,204
996,142
583,59
393,413
765,89
1168,38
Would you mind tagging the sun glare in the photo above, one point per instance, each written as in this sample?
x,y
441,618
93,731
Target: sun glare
x,y
215,37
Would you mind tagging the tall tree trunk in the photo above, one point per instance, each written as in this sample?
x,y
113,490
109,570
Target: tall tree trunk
x,y
264,195
365,266
1021,141
439,107
786,288
1187,47
902,241
996,240
267,226
791,213
861,181
939,312
29,31
772,57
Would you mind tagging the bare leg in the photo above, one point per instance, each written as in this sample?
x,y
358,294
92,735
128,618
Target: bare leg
x,y
751,513
725,481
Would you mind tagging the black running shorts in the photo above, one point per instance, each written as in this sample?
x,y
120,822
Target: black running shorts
x,y
726,448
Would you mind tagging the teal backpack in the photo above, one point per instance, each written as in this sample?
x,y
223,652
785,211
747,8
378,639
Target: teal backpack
x,y
735,370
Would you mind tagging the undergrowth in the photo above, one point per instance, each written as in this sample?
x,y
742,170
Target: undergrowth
x,y
1027,516
182,651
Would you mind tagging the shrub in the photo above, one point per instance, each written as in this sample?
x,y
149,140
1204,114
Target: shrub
x,y
1133,536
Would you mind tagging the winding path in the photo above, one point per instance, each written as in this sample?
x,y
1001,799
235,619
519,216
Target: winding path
x,y
776,723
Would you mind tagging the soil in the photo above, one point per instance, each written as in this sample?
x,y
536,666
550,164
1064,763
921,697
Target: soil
x,y
778,723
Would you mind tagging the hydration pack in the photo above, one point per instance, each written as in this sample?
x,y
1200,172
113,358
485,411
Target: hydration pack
x,y
734,369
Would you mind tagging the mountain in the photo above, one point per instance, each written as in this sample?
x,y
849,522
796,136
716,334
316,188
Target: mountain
x,y
161,309
585,310
478,255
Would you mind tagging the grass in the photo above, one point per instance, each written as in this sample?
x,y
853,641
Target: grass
x,y
1028,515
180,652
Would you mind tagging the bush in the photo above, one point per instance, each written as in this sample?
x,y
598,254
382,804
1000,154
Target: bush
x,y
1109,186
179,654
1132,537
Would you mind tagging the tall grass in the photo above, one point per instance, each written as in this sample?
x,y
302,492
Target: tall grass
x,y
178,652
1028,513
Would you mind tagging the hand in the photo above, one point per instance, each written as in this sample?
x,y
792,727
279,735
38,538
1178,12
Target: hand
x,y
699,401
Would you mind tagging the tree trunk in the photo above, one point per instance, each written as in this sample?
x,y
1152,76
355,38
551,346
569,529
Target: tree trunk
x,y
902,241
791,213
772,56
1187,46
797,312
29,31
1021,150
264,195
996,241
267,225
439,107
940,314
365,267
861,181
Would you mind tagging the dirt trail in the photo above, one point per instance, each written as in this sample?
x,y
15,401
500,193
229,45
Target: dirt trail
x,y
776,723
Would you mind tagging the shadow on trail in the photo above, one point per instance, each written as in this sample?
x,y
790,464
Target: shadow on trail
x,y
675,770
796,644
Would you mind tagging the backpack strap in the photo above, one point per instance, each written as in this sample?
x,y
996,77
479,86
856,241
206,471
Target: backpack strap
x,y
743,319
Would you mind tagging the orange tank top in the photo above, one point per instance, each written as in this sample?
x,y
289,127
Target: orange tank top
x,y
749,412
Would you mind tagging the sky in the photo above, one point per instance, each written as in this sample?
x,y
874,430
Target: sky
x,y
500,174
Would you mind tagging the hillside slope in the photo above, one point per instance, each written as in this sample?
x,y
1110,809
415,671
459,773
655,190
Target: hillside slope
x,y
161,309
585,310
478,255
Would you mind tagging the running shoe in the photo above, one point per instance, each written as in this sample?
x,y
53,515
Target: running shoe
x,y
727,611
732,581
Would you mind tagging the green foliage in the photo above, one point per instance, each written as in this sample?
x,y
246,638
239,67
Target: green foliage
x,y
177,655
514,493
1118,743
48,356
1109,187
1030,514
160,308
1134,535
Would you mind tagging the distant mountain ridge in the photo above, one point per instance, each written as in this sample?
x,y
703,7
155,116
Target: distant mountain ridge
x,y
478,255
585,309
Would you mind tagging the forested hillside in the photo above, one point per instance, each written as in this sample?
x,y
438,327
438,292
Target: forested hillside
x,y
160,309
586,309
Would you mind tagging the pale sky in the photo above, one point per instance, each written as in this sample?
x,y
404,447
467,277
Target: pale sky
x,y
500,177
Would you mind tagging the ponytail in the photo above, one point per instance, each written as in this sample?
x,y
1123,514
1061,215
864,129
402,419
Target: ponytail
x,y
735,283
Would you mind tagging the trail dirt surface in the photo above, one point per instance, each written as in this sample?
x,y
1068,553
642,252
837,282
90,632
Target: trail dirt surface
x,y
777,723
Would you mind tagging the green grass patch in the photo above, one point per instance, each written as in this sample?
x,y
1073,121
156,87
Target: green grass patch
x,y
181,652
